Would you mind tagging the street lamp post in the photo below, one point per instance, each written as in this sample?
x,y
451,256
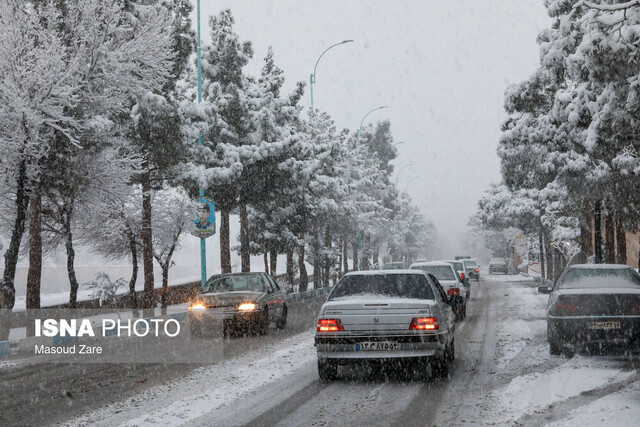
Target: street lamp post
x,y
203,245
410,181
312,77
365,116
400,171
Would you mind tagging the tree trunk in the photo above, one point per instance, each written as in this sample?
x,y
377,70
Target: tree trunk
x,y
34,274
273,257
327,267
316,257
245,253
621,239
165,284
265,257
304,278
354,248
345,256
290,269
11,255
597,232
549,259
225,249
148,300
71,271
586,247
541,257
610,244
558,266
134,270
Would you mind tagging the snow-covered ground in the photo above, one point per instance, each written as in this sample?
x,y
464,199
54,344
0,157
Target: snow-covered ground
x,y
503,375
209,389
617,409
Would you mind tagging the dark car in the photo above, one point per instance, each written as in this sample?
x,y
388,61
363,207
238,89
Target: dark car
x,y
594,305
473,268
244,302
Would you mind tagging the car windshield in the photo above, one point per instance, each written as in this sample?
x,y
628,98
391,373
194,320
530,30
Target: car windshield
x,y
392,285
247,283
470,263
589,278
457,265
442,272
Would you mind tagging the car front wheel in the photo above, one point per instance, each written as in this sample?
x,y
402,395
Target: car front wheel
x,y
263,326
282,322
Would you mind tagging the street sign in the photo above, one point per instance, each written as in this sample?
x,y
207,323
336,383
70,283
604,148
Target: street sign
x,y
205,223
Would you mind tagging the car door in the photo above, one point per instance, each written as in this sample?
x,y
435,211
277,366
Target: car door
x,y
279,295
445,306
271,298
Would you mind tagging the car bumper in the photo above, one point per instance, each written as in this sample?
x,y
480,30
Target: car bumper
x,y
211,318
579,331
409,346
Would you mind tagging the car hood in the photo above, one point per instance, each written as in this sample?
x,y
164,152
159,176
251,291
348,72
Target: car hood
x,y
226,299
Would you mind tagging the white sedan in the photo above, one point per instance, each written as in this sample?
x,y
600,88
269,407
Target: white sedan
x,y
398,315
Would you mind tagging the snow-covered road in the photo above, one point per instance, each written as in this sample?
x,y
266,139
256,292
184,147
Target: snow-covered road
x,y
503,375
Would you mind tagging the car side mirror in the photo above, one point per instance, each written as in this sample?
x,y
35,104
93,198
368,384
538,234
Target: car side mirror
x,y
544,289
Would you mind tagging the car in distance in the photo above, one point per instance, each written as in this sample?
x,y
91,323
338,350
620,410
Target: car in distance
x,y
450,281
498,265
401,315
459,257
594,304
460,268
473,268
245,302
394,266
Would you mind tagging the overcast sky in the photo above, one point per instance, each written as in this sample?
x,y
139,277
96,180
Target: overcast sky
x,y
441,66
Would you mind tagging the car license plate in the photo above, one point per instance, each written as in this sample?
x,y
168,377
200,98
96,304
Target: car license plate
x,y
603,325
376,346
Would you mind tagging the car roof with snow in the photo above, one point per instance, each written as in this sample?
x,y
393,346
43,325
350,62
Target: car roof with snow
x,y
441,263
378,272
600,266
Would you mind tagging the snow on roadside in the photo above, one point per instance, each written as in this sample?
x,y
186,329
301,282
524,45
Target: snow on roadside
x,y
616,409
209,388
536,391
510,278
515,335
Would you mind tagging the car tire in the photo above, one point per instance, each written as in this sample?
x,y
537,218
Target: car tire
x,y
555,349
263,326
327,370
463,313
282,322
444,363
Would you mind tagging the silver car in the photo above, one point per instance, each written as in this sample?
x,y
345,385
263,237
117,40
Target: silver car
x,y
398,315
